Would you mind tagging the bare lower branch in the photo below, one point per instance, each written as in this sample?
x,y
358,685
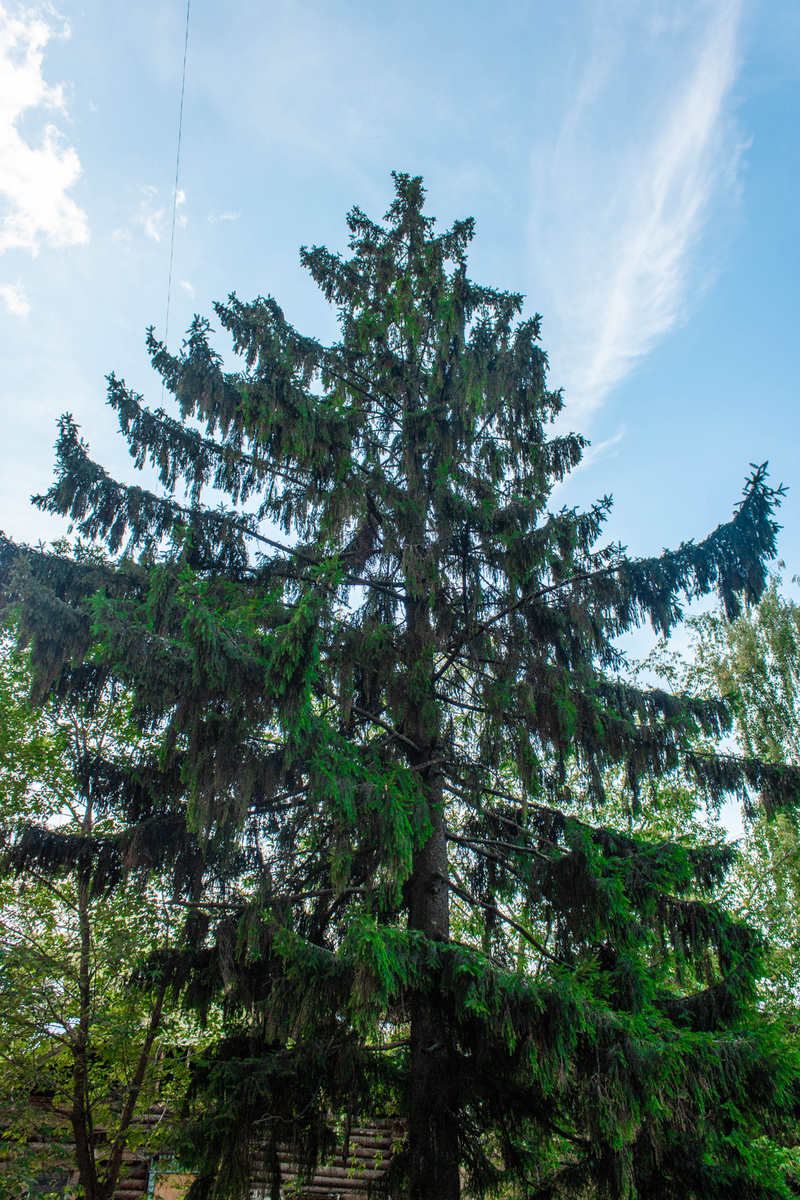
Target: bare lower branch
x,y
503,916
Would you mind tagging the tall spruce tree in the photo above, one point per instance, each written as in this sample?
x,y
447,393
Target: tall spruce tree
x,y
366,725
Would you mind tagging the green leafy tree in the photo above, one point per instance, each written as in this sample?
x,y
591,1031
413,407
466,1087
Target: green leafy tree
x,y
364,681
754,662
79,1047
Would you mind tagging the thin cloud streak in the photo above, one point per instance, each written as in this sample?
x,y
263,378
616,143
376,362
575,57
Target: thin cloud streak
x,y
615,228
16,302
151,217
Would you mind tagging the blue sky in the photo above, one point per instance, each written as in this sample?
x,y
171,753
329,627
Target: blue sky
x,y
632,167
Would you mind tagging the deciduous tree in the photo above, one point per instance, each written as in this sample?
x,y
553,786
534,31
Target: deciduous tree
x,y
754,662
79,1045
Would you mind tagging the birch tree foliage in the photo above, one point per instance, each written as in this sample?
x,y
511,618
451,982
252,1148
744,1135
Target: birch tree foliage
x,y
85,1046
754,663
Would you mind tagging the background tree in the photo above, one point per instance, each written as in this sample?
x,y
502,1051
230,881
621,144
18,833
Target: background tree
x,y
359,744
754,662
79,1047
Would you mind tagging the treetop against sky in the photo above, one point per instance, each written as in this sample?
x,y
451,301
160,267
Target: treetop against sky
x,y
631,169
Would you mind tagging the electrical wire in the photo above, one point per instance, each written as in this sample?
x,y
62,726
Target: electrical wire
x,y
177,170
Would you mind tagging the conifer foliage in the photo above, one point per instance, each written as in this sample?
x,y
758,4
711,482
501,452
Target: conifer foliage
x,y
367,676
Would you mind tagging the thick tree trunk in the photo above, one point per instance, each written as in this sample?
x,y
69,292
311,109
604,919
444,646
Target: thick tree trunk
x,y
433,1118
430,897
433,1126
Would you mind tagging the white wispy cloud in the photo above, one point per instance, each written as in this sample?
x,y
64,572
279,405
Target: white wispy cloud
x,y
36,175
17,303
623,195
153,216
226,216
187,287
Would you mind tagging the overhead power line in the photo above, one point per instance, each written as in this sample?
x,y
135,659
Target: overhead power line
x,y
177,172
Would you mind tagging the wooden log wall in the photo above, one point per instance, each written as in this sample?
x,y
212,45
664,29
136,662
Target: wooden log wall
x,y
369,1153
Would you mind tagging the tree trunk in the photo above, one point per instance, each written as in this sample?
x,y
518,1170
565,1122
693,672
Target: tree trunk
x,y
433,1125
115,1160
81,1114
433,1118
